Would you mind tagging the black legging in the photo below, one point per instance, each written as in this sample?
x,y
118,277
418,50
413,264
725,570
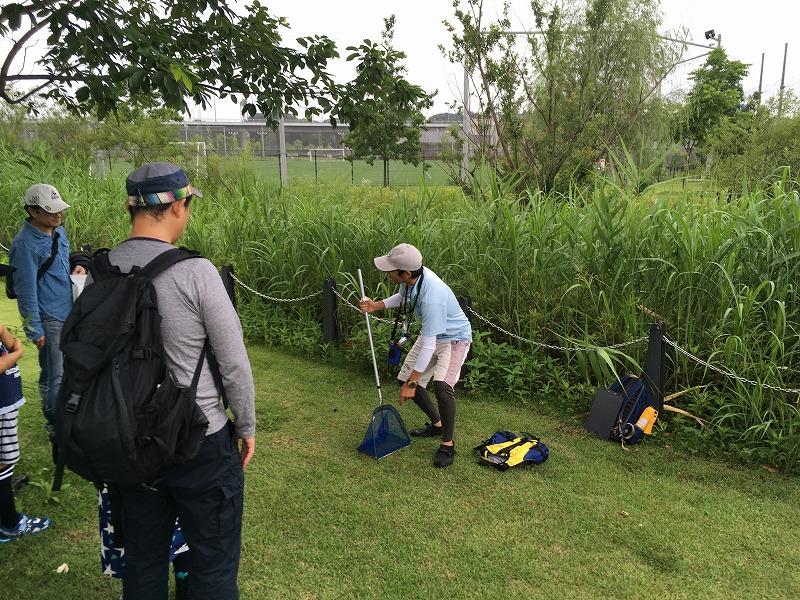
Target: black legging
x,y
446,398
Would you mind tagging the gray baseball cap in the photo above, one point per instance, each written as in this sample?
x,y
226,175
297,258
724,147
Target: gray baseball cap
x,y
403,256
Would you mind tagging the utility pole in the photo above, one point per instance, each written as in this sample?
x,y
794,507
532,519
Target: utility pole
x,y
783,79
282,150
760,81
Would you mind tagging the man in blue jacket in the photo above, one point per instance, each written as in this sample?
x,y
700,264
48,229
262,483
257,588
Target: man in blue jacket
x,y
42,284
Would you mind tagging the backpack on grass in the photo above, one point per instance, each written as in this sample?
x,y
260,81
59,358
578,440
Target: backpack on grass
x,y
622,412
505,449
120,416
636,417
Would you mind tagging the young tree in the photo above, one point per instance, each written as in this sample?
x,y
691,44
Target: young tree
x,y
141,133
756,147
100,52
589,70
384,111
67,136
714,99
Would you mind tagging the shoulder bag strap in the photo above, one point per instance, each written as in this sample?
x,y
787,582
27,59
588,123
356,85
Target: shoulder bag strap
x,y
53,251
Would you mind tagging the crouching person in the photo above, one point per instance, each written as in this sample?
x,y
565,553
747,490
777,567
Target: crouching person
x,y
441,348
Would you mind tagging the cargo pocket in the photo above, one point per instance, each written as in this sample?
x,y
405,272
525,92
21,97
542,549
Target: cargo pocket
x,y
230,514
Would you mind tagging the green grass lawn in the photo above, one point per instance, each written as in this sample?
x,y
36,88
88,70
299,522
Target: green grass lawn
x,y
330,170
323,521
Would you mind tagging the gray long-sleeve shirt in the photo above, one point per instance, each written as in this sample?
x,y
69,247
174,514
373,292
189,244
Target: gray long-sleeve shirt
x,y
193,305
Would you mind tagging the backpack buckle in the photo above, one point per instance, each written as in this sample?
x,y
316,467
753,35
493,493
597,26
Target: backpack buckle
x,y
72,403
142,353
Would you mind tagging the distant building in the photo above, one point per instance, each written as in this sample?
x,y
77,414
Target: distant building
x,y
226,136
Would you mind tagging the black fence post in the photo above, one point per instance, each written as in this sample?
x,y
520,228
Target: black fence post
x,y
227,281
655,365
330,329
465,302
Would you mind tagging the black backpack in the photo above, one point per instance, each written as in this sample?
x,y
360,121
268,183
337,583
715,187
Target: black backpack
x,y
632,421
120,416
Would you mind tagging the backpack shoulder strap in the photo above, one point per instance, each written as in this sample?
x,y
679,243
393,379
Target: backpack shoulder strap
x,y
505,451
166,259
101,268
216,373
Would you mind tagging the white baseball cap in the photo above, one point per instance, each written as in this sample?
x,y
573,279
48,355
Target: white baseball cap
x,y
45,196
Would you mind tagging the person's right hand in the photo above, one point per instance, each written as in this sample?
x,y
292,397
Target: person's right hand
x,y
247,449
39,342
366,305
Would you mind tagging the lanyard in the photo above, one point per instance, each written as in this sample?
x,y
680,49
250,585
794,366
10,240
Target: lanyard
x,y
405,314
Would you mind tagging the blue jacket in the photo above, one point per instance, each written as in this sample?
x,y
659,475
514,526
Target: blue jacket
x,y
52,293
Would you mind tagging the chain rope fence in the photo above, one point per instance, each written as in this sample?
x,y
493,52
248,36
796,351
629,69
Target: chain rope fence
x,y
706,364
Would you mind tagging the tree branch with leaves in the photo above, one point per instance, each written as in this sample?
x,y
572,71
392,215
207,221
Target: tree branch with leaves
x,y
586,71
99,53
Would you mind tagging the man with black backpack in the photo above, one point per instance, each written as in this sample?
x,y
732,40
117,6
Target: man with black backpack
x,y
205,491
39,255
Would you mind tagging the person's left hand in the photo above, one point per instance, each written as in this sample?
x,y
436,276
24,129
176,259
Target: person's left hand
x,y
406,393
79,270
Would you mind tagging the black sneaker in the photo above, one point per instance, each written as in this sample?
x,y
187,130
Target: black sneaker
x,y
427,431
444,456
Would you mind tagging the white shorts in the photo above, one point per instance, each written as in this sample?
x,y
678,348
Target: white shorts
x,y
445,365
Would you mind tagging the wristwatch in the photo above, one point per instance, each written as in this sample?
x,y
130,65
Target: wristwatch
x,y
411,384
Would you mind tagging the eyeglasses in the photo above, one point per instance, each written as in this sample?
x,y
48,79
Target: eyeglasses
x,y
38,209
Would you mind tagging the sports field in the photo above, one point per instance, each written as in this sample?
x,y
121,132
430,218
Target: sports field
x,y
358,173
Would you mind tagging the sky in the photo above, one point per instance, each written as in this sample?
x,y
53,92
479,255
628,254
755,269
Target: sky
x,y
748,29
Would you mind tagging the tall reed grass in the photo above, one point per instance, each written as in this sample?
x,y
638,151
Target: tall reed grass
x,y
590,270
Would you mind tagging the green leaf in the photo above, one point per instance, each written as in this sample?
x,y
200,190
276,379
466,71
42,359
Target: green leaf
x,y
135,81
83,94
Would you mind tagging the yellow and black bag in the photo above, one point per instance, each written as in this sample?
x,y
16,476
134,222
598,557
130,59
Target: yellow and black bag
x,y
505,449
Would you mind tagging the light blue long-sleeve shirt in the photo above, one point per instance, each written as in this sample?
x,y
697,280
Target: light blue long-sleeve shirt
x,y
51,294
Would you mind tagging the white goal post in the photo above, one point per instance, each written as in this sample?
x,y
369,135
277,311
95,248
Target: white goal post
x,y
326,153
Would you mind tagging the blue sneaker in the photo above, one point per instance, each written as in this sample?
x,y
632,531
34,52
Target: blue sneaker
x,y
26,526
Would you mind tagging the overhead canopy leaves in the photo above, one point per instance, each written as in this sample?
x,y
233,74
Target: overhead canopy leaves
x,y
100,52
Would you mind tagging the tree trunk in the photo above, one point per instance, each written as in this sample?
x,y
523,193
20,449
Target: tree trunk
x,y
385,172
